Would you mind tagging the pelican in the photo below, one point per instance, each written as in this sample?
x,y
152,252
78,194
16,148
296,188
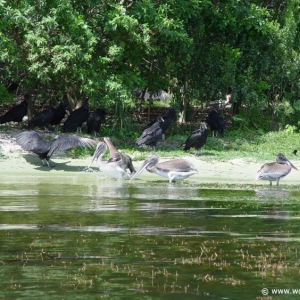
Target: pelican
x,y
274,171
176,169
117,163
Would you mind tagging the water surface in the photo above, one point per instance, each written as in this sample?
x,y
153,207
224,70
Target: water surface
x,y
89,237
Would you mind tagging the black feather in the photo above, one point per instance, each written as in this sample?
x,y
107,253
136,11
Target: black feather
x,y
197,138
76,118
16,113
31,141
216,121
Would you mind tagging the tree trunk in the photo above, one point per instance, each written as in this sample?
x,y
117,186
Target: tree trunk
x,y
185,101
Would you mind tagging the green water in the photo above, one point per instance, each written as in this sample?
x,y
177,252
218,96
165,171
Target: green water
x,y
85,237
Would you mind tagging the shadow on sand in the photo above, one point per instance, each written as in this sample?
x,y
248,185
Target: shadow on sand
x,y
61,166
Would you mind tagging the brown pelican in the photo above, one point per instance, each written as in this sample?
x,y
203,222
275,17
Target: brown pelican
x,y
176,169
197,139
152,134
274,171
117,163
33,142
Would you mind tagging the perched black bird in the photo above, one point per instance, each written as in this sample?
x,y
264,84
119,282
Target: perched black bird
x,y
76,119
197,139
216,121
31,141
41,119
152,134
16,113
59,113
94,120
168,118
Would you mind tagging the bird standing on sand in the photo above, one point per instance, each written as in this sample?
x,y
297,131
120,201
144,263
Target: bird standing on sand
x,y
59,113
41,119
274,171
16,113
31,141
197,138
76,119
176,169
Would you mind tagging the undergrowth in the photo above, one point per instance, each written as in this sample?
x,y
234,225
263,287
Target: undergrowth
x,y
248,145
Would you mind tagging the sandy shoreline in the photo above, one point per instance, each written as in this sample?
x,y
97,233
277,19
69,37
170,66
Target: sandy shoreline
x,y
15,161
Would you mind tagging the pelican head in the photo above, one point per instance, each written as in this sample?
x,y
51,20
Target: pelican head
x,y
99,152
281,159
149,162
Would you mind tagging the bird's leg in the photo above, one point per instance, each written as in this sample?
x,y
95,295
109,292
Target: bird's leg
x,y
270,183
20,124
277,181
163,137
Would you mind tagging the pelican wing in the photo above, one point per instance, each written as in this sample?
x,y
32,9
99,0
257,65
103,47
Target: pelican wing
x,y
273,171
176,165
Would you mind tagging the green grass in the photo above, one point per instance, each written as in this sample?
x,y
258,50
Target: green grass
x,y
249,145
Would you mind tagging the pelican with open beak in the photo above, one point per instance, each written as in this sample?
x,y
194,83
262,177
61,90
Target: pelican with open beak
x,y
176,169
117,164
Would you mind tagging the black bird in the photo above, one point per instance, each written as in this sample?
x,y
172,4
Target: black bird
x,y
168,118
295,152
216,121
197,138
41,119
31,141
94,120
151,135
59,113
16,113
76,119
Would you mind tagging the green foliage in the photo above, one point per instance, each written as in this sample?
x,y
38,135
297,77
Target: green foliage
x,y
290,128
198,50
5,97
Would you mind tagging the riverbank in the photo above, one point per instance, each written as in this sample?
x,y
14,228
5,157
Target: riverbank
x,y
15,161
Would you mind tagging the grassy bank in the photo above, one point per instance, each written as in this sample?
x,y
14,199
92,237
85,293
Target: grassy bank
x,y
249,145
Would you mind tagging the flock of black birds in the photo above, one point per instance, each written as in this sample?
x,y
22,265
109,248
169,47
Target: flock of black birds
x,y
152,132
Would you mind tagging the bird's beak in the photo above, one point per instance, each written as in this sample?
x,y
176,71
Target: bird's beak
x,y
101,147
140,170
293,166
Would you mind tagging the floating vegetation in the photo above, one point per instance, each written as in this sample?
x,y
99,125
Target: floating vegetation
x,y
81,241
